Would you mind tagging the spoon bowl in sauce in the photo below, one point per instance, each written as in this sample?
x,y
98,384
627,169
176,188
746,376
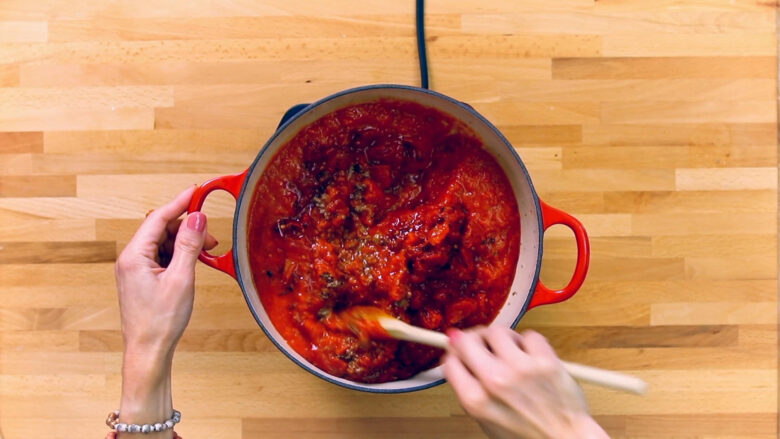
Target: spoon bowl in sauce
x,y
368,322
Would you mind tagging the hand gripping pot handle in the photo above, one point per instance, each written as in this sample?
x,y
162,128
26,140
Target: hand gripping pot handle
x,y
231,184
542,294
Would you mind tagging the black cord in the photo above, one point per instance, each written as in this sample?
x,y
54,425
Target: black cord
x,y
420,21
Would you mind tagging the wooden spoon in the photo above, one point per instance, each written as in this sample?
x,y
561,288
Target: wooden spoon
x,y
367,321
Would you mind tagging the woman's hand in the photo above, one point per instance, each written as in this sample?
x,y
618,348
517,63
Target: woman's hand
x,y
155,277
515,386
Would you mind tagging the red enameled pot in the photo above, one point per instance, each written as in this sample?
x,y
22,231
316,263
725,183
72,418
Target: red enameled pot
x,y
535,216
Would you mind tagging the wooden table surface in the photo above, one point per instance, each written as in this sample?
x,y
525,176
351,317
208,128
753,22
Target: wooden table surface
x,y
654,122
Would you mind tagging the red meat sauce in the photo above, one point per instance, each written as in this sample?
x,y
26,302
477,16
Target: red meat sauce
x,y
387,204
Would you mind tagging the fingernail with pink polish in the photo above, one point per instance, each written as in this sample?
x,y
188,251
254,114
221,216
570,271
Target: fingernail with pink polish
x,y
453,334
196,221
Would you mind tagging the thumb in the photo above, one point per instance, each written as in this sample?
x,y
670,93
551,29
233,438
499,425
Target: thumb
x,y
189,242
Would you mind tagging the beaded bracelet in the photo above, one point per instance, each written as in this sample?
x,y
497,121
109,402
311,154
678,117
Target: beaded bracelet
x,y
112,435
113,423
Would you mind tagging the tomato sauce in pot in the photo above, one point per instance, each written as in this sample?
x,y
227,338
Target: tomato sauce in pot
x,y
387,204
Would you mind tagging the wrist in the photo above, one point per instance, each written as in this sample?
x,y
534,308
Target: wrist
x,y
152,345
145,364
146,383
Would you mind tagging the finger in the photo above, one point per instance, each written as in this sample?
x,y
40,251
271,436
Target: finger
x,y
211,242
189,243
166,248
170,237
505,344
176,207
473,396
468,389
536,345
470,348
172,228
174,225
155,225
165,239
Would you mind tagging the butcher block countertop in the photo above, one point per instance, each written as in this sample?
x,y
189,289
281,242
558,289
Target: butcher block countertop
x,y
653,122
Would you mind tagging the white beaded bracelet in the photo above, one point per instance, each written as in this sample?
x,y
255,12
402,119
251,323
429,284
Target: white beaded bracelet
x,y
114,424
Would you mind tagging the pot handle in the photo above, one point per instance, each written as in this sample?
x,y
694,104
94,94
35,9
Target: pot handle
x,y
542,294
232,185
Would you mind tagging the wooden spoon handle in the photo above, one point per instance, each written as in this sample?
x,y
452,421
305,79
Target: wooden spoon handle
x,y
606,378
403,331
601,377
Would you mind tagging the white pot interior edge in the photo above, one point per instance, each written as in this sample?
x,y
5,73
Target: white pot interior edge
x,y
530,237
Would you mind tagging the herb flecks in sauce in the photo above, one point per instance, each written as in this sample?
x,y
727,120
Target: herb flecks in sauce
x,y
386,204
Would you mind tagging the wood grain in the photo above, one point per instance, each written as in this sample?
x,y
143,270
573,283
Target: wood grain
x,y
53,252
21,143
40,186
636,67
654,123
